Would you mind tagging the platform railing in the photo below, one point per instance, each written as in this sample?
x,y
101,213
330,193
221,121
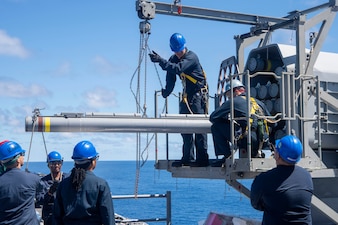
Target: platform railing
x,y
167,219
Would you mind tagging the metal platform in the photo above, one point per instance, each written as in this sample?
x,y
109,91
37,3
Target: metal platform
x,y
242,168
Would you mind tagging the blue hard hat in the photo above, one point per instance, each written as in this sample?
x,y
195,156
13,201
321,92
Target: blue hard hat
x,y
289,148
235,84
10,149
177,42
84,150
54,156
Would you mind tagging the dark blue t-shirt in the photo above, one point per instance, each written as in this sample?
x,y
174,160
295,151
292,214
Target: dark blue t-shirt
x,y
284,194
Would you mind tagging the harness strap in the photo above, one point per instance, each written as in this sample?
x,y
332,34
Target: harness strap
x,y
204,89
254,108
183,76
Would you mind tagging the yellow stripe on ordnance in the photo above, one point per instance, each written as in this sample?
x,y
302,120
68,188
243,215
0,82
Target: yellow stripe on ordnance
x,y
47,124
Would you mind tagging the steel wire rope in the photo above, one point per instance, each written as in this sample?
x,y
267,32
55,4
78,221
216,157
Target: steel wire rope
x,y
36,112
149,140
138,109
147,49
140,154
141,159
142,58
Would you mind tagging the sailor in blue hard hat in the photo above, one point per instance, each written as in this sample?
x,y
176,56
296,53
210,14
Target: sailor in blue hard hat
x,y
289,149
84,198
17,187
284,193
84,152
185,65
177,42
47,189
10,151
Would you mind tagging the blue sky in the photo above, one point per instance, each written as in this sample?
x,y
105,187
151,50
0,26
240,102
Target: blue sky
x,y
80,56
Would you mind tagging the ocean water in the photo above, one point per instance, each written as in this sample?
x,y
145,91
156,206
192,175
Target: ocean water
x,y
192,199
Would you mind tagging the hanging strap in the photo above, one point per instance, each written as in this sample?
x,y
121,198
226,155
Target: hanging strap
x,y
253,111
256,108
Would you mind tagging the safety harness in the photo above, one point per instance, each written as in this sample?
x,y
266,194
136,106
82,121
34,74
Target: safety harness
x,y
262,129
204,90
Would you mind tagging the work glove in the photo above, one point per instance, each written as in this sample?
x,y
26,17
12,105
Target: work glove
x,y
53,187
154,57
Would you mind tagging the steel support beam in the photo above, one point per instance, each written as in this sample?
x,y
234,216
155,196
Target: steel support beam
x,y
216,15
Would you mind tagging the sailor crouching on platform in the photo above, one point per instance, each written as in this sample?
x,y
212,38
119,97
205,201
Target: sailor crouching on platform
x,y
17,187
220,127
48,185
83,198
284,193
186,65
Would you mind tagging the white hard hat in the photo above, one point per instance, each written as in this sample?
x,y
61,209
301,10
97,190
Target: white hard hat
x,y
235,84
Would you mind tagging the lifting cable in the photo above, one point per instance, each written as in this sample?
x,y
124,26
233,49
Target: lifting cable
x,y
143,50
143,39
36,114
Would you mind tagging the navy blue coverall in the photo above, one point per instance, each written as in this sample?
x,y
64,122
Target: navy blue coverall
x,y
284,194
220,127
91,205
46,200
17,194
189,69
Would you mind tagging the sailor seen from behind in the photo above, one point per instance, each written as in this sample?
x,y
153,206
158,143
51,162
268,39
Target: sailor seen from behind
x,y
284,193
83,198
17,187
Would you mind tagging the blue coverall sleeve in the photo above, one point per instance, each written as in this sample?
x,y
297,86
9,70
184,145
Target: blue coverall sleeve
x,y
170,84
106,206
41,191
221,113
176,67
39,194
256,194
58,211
189,64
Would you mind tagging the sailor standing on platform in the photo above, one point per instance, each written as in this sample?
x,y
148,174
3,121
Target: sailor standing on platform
x,y
186,65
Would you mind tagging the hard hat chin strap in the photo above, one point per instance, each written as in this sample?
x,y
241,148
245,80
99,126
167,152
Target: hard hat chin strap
x,y
9,162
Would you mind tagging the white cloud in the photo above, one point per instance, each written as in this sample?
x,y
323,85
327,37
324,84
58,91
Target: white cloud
x,y
11,46
12,88
100,97
103,65
10,121
63,69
